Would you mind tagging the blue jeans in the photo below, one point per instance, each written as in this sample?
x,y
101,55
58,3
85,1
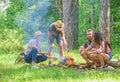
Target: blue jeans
x,y
33,57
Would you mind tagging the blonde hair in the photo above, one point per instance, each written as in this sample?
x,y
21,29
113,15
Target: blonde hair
x,y
89,30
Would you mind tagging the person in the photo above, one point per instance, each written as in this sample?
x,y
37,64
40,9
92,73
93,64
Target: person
x,y
33,49
86,56
56,31
102,50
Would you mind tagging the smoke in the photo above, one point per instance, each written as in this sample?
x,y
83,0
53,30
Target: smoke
x,y
33,18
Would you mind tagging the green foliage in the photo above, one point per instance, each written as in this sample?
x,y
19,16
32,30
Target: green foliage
x,y
115,23
16,7
85,17
9,19
52,13
11,40
11,12
2,18
11,36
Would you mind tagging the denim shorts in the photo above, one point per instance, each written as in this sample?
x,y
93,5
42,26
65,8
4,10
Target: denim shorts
x,y
110,55
52,37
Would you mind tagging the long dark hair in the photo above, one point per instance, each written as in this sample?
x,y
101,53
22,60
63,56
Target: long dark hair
x,y
107,44
98,37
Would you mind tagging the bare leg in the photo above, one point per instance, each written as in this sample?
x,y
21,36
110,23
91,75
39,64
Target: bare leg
x,y
60,51
51,46
84,56
105,57
101,60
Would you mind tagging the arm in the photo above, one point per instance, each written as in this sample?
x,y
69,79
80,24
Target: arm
x,y
85,50
45,53
49,33
64,40
65,44
81,48
102,48
50,29
41,52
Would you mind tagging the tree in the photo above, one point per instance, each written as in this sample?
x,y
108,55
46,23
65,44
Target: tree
x,y
104,20
58,5
92,13
115,23
12,11
70,18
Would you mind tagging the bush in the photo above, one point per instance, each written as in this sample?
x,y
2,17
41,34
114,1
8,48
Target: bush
x,y
11,40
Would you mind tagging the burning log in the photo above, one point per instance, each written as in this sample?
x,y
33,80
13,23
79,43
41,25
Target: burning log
x,y
69,61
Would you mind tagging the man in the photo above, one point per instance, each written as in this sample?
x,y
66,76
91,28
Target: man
x,y
34,48
86,56
102,50
56,31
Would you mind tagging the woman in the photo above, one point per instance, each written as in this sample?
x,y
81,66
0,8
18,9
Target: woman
x,y
101,50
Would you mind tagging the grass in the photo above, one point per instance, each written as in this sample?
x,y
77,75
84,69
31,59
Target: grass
x,y
11,72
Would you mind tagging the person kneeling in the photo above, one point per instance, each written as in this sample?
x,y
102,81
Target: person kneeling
x,y
33,49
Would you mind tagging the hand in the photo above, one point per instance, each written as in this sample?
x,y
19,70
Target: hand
x,y
83,52
67,50
81,49
47,53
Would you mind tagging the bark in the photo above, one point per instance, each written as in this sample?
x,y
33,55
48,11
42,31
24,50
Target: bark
x,y
104,20
92,14
70,18
114,63
59,7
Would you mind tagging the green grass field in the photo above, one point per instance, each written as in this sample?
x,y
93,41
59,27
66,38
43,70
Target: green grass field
x,y
22,72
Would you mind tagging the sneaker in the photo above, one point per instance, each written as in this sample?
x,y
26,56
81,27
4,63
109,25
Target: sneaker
x,y
61,62
110,68
101,68
34,66
50,63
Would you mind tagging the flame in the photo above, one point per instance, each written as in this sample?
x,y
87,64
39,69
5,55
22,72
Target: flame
x,y
70,60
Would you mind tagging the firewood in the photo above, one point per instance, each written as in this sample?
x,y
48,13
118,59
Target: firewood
x,y
114,63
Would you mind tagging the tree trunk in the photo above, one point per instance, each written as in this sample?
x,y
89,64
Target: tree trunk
x,y
92,14
70,18
114,63
59,7
104,20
